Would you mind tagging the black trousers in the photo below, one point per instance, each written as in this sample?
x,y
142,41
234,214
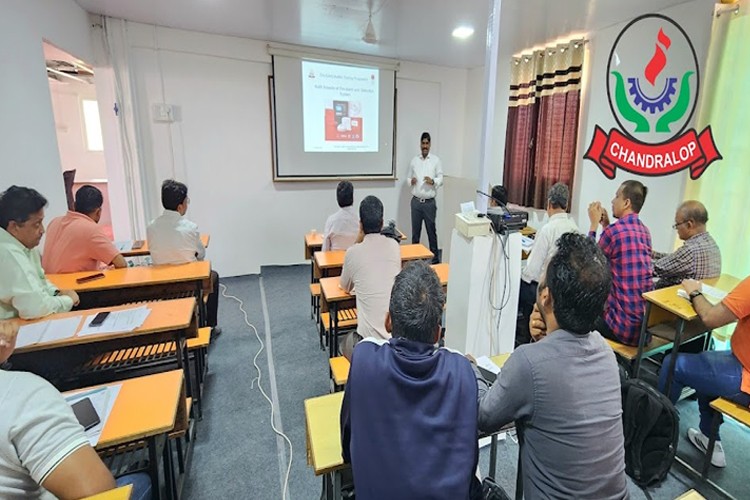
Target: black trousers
x,y
212,304
526,301
425,211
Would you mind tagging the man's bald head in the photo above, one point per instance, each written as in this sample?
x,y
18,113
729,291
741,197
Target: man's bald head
x,y
693,210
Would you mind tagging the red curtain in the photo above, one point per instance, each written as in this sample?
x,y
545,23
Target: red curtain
x,y
542,130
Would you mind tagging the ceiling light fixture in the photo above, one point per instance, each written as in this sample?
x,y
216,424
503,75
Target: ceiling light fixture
x,y
463,32
370,36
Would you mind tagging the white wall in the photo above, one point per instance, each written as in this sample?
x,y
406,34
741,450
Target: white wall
x,y
665,193
27,127
220,143
71,131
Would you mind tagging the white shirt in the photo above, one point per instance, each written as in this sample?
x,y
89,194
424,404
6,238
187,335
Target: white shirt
x,y
545,245
425,167
342,229
369,270
38,430
174,239
24,290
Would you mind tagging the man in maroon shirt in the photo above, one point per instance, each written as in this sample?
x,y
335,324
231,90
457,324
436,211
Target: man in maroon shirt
x,y
627,245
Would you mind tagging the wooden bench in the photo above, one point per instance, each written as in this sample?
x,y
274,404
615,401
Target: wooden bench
x,y
629,354
691,495
197,350
347,322
731,409
339,372
315,301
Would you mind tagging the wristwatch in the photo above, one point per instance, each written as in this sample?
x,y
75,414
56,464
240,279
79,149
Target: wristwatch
x,y
694,294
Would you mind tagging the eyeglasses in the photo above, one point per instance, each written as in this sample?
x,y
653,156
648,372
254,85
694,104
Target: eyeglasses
x,y
678,224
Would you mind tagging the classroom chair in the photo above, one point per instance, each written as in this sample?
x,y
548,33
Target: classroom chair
x,y
730,409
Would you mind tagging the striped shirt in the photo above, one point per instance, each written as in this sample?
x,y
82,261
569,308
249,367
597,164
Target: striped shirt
x,y
698,258
627,245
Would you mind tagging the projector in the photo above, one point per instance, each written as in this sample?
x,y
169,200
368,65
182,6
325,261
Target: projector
x,y
507,221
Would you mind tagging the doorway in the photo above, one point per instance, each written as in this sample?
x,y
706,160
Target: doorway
x,y
78,127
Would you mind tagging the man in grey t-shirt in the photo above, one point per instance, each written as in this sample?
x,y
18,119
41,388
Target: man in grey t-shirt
x,y
563,391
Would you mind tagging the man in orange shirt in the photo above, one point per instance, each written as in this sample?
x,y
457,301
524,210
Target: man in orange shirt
x,y
715,374
75,242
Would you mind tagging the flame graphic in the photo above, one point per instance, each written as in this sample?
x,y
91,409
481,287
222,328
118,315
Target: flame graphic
x,y
659,59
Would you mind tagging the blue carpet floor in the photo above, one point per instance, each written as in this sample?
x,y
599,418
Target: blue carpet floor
x,y
238,456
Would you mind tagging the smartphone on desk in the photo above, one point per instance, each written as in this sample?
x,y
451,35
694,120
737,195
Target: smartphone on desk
x,y
99,318
138,244
86,413
92,277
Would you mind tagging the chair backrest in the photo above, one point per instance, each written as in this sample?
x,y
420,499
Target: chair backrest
x,y
69,177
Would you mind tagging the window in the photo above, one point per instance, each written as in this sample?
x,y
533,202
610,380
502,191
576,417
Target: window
x,y
92,125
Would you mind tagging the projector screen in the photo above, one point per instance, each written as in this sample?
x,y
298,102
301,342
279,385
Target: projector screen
x,y
332,120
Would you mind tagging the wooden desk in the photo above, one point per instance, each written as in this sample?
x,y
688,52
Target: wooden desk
x,y
147,408
169,320
121,493
144,250
333,297
314,243
133,284
327,263
664,305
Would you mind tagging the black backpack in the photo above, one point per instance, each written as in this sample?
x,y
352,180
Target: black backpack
x,y
651,426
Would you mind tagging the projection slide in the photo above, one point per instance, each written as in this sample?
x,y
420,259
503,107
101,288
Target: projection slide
x,y
340,108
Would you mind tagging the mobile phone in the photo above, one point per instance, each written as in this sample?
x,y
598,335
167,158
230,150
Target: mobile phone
x,y
92,277
137,244
86,413
99,318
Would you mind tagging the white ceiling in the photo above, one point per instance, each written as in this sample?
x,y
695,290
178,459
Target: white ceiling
x,y
415,30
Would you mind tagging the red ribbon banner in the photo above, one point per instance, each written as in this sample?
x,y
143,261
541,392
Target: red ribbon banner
x,y
690,150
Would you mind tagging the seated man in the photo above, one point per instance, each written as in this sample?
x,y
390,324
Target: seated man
x,y
563,391
174,239
369,270
558,224
24,291
408,419
698,258
75,242
627,245
499,193
714,374
43,449
342,228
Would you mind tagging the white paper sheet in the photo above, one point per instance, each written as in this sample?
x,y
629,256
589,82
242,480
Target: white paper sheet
x,y
488,364
124,246
47,331
526,243
103,399
712,294
125,320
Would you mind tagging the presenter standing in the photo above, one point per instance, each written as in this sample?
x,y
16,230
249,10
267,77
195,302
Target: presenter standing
x,y
425,176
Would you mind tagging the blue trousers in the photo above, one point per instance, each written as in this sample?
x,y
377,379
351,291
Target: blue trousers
x,y
141,485
712,374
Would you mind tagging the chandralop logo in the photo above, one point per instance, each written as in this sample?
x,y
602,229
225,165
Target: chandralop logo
x,y
653,100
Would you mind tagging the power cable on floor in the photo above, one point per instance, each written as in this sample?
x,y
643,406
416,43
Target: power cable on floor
x,y
224,294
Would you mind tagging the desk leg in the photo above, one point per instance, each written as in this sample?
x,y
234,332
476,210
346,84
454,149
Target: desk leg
x,y
642,340
169,476
675,353
333,330
337,494
183,357
715,423
153,467
493,456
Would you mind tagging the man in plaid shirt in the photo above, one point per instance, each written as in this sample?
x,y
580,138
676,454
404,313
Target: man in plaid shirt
x,y
627,245
699,258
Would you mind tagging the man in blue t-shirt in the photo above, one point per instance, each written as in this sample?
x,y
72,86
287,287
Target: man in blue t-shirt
x,y
409,416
